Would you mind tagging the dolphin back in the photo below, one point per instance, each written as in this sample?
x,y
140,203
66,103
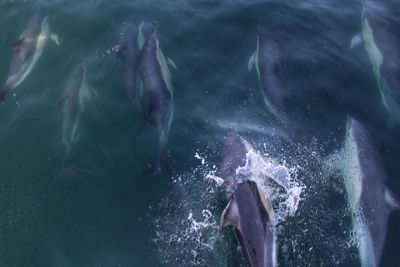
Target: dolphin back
x,y
365,180
253,223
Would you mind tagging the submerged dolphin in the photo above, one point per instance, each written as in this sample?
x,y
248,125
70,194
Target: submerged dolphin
x,y
76,93
131,41
157,99
27,50
267,61
370,201
249,209
383,48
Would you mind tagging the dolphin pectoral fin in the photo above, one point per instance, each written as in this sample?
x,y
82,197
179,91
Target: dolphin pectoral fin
x,y
16,45
230,215
86,93
54,38
139,94
141,38
356,40
94,92
75,134
171,63
392,199
252,61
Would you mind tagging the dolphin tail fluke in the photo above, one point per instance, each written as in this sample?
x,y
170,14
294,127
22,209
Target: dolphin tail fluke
x,y
147,124
160,167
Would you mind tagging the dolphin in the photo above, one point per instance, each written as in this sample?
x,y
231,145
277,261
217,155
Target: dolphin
x,y
27,50
267,60
370,200
382,46
76,94
249,209
157,99
234,156
130,44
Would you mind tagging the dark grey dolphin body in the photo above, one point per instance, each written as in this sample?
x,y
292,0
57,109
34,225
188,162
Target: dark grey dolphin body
x,y
76,94
130,45
249,210
382,45
370,201
234,156
157,101
267,60
27,50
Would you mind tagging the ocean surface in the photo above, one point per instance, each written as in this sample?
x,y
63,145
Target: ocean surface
x,y
98,205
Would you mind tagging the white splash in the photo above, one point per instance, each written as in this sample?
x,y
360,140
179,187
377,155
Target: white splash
x,y
262,169
190,233
197,156
258,166
196,226
215,178
293,199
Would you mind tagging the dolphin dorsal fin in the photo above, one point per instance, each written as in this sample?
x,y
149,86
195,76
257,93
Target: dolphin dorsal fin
x,y
230,215
17,45
392,199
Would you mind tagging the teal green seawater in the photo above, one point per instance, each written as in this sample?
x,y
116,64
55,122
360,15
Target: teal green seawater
x,y
97,206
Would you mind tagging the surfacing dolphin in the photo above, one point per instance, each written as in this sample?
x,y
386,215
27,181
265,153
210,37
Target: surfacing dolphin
x,y
370,201
249,209
130,44
76,94
158,98
27,50
267,60
383,48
